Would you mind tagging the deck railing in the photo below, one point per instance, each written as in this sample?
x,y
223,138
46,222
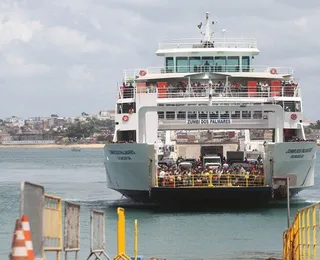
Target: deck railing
x,y
132,74
302,240
215,92
216,43
210,180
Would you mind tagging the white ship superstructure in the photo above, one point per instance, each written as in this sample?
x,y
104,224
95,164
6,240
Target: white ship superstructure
x,y
208,87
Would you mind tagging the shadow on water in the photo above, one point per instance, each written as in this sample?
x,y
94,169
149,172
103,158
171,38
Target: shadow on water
x,y
295,205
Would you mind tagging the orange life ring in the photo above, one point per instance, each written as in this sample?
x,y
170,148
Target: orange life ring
x,y
294,116
125,118
273,71
142,73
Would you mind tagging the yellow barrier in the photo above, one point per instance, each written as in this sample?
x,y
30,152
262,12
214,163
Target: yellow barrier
x,y
53,225
301,241
210,180
121,237
135,239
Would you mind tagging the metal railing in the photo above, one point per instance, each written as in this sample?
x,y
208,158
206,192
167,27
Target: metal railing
x,y
215,92
132,74
301,240
210,180
216,43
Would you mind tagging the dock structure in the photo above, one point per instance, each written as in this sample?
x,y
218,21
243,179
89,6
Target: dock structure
x,y
43,227
39,230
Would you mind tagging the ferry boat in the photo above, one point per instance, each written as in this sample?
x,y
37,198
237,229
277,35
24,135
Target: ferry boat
x,y
209,87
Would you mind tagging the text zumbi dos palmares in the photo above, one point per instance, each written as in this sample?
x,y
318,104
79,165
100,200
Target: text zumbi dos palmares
x,y
298,153
123,155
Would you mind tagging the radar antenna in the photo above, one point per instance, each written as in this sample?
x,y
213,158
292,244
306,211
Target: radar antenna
x,y
208,29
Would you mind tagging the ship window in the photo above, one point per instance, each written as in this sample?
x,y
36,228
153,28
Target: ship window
x,y
170,115
127,108
126,136
233,64
257,115
220,64
246,114
182,64
195,64
289,106
192,115
225,115
208,64
169,64
235,115
214,115
181,115
160,115
245,64
203,115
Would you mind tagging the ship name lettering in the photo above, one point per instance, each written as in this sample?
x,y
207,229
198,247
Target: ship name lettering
x,y
297,156
299,151
124,158
207,121
117,152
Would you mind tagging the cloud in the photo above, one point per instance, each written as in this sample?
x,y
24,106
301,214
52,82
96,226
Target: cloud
x,y
73,41
16,66
80,47
80,73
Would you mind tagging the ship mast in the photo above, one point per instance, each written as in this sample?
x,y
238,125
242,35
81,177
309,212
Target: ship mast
x,y
208,29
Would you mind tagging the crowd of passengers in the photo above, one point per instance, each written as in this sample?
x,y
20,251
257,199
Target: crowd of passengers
x,y
213,88
246,174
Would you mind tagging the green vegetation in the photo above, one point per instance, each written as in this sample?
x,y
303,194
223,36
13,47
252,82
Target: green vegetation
x,y
315,125
89,127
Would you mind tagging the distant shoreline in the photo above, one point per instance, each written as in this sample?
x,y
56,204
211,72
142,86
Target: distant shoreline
x,y
63,146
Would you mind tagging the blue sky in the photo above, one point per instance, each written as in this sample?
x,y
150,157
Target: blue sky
x,y
66,57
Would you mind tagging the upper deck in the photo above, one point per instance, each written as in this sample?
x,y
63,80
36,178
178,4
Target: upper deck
x,y
195,45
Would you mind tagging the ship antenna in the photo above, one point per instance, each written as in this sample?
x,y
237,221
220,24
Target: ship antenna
x,y
208,29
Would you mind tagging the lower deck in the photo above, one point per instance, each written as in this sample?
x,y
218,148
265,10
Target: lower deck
x,y
210,180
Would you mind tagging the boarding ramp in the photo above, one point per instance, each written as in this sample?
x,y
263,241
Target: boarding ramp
x,y
302,240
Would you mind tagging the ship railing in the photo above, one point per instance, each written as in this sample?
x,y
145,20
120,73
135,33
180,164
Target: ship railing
x,y
130,75
196,43
302,239
214,92
210,180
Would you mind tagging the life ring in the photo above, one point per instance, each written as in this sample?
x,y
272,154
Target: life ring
x,y
273,71
294,116
142,73
125,118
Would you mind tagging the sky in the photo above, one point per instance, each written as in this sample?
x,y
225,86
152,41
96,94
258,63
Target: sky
x,y
66,56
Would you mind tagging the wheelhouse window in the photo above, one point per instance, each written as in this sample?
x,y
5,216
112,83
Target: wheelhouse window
x,y
233,64
208,64
182,64
195,64
169,64
245,64
220,64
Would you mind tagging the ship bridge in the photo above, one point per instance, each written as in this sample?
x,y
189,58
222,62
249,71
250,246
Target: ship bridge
x,y
270,117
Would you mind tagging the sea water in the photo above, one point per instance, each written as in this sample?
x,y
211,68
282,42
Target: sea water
x,y
80,177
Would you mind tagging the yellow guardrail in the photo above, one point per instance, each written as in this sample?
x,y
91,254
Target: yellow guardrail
x,y
301,240
210,180
52,225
